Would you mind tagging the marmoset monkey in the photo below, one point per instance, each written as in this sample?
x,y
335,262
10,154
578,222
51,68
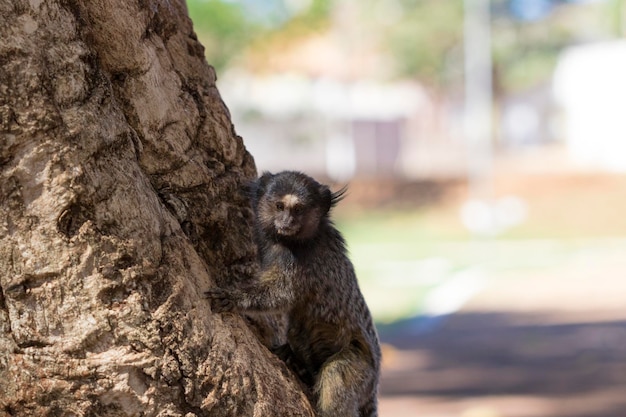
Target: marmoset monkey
x,y
305,273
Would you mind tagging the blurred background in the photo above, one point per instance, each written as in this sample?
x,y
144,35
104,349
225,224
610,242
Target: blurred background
x,y
484,144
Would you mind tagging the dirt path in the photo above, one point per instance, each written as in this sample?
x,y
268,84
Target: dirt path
x,y
551,343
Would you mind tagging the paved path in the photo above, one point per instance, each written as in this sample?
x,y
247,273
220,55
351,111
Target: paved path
x,y
545,343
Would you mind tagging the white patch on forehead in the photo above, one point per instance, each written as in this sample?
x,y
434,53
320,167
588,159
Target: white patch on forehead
x,y
290,200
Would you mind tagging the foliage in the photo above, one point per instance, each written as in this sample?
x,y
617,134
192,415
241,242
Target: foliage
x,y
425,38
422,35
228,28
223,29
525,53
422,38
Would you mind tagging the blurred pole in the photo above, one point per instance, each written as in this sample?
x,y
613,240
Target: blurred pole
x,y
340,143
478,98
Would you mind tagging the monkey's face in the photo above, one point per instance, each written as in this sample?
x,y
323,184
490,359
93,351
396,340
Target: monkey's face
x,y
290,205
290,216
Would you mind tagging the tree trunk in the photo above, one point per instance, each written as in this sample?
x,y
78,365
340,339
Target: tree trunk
x,y
120,203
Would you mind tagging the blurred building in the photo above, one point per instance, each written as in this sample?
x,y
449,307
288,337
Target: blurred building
x,y
316,106
344,129
321,111
590,88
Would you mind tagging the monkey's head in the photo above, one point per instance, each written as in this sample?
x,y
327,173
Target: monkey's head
x,y
291,206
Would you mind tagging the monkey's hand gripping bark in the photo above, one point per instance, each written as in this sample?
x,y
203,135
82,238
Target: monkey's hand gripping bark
x,y
221,300
272,294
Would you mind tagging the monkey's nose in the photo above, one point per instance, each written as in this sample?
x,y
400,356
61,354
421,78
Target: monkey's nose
x,y
286,221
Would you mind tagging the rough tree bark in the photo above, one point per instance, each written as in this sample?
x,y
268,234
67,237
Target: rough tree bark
x,y
120,203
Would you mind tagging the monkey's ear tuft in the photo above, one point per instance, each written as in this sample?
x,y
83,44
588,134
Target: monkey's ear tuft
x,y
338,195
330,199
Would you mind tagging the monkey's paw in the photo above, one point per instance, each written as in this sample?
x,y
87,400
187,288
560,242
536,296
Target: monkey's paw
x,y
284,352
220,299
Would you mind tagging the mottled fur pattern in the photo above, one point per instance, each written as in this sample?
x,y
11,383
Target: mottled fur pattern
x,y
305,272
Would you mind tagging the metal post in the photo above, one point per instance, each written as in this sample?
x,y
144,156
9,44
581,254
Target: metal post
x,y
478,99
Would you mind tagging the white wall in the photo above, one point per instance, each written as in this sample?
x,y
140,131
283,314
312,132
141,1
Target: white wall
x,y
590,87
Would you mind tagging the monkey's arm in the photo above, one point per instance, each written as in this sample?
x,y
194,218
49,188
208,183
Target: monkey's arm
x,y
272,292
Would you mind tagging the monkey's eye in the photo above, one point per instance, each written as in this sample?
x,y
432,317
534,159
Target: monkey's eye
x,y
280,206
298,209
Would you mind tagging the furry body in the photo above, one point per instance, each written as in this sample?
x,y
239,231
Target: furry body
x,y
305,273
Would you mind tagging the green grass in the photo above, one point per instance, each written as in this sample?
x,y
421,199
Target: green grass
x,y
397,258
401,256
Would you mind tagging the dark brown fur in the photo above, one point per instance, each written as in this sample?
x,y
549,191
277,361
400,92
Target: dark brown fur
x,y
305,272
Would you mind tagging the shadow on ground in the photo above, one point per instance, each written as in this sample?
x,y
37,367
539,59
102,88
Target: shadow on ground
x,y
570,369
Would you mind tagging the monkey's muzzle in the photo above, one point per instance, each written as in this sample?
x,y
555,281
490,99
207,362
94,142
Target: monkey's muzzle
x,y
287,231
287,228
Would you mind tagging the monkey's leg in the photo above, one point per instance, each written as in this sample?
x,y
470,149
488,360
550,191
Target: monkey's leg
x,y
370,408
342,385
286,354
